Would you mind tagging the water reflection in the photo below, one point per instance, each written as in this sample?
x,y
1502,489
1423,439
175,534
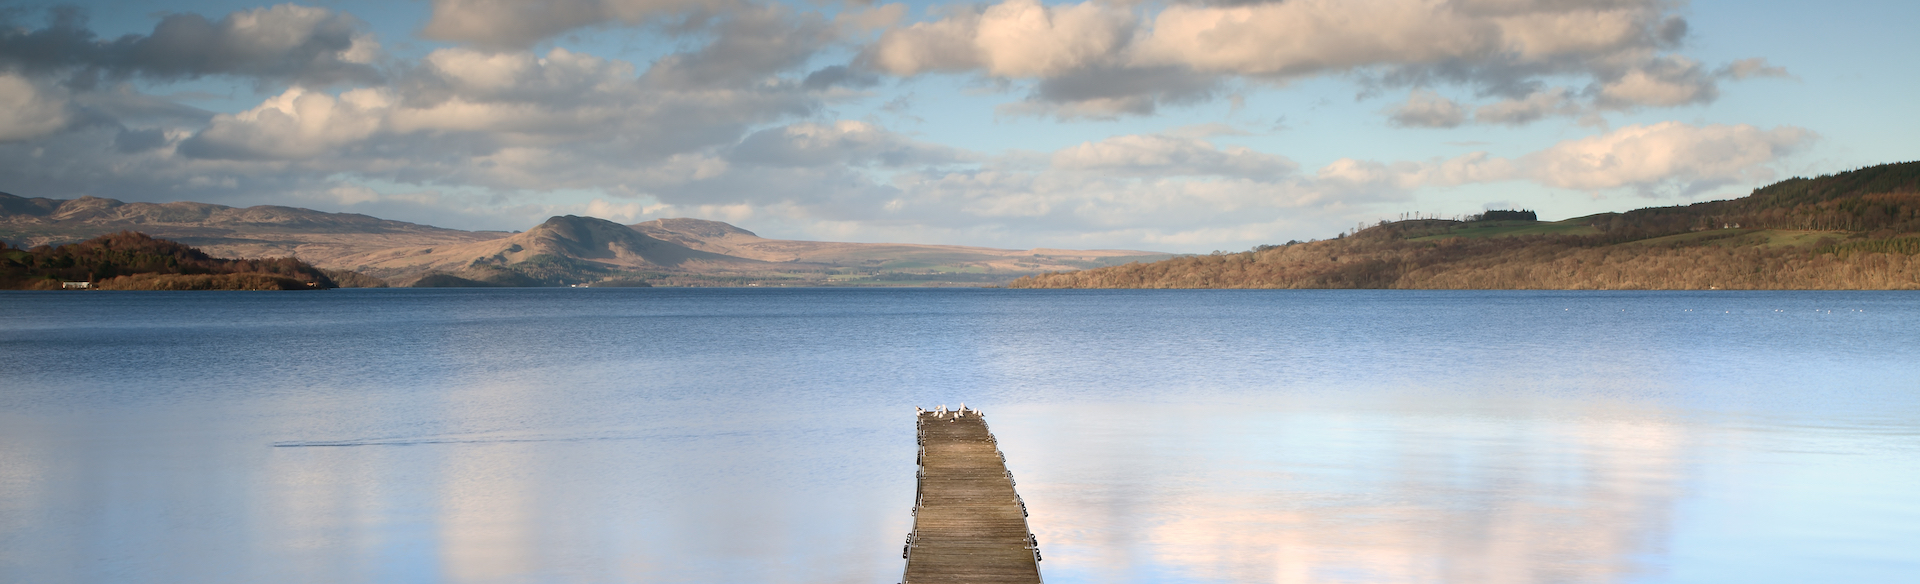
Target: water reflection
x,y
765,436
1316,493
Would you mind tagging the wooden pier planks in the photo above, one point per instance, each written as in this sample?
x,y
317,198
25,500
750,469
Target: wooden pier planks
x,y
969,525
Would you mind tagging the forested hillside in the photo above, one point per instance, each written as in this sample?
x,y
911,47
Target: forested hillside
x,y
135,261
1853,230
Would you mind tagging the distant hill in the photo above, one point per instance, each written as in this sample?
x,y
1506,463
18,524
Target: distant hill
x,y
1852,230
564,250
567,250
262,231
135,261
721,238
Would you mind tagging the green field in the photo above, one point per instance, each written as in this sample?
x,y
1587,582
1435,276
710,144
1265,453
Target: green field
x,y
1480,229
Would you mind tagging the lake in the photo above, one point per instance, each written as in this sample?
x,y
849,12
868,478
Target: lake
x,y
766,435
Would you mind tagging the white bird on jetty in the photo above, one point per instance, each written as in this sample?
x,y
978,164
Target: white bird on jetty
x,y
919,412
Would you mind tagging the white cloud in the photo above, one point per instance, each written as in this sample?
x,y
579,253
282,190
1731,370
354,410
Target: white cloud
x,y
1653,158
733,126
1426,109
1665,154
1016,38
519,24
1157,155
1303,37
1146,188
350,195
28,111
1542,31
872,17
941,45
1665,82
1022,38
1206,130
1750,68
288,42
844,142
296,124
1095,60
1536,105
748,46
513,121
616,212
484,73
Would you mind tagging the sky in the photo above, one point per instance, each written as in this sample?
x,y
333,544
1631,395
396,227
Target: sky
x,y
1181,126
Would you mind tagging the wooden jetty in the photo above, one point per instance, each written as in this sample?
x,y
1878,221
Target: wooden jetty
x,y
968,523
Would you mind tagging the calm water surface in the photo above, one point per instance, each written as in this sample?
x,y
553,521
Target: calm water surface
x,y
746,436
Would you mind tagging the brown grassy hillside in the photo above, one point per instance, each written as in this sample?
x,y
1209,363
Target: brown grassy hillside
x,y
1854,230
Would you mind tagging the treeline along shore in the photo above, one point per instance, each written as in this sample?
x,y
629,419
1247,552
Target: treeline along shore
x,y
134,261
1856,230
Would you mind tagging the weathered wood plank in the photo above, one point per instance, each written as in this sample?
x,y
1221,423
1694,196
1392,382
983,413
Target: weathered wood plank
x,y
969,525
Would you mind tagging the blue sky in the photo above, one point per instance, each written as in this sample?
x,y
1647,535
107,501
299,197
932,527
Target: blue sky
x,y
1169,126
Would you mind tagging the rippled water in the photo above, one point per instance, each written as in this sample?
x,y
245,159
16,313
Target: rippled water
x,y
675,435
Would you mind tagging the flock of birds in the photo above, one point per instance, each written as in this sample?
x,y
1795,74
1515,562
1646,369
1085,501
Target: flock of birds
x,y
943,412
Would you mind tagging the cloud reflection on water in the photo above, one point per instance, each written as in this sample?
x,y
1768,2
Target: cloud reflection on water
x,y
662,435
1300,494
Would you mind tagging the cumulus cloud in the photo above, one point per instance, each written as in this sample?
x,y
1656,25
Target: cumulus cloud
x,y
1664,82
1100,60
1750,68
1049,202
1352,175
738,125
1652,159
1150,186
1109,92
28,110
513,124
512,120
871,17
1533,107
1016,38
844,142
1129,188
1666,155
1022,38
1426,109
839,76
515,24
1303,37
1668,81
1159,155
297,124
748,46
1480,42
286,43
